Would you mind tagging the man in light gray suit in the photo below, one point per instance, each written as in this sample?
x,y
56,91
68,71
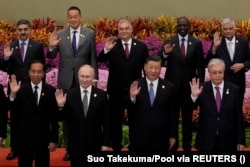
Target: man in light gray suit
x,y
77,46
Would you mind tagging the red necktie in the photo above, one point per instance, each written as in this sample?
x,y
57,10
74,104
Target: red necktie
x,y
126,50
183,48
218,98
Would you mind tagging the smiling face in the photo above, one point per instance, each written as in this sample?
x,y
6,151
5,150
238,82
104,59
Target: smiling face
x,y
74,18
182,26
36,72
125,30
229,30
216,73
152,70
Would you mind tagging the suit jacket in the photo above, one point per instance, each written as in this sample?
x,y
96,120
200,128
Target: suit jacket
x,y
3,113
37,125
15,64
123,71
69,63
86,134
155,123
182,71
241,55
228,121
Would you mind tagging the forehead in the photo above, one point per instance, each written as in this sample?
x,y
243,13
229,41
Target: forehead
x,y
36,66
124,24
228,25
182,21
73,13
153,63
23,26
86,71
216,67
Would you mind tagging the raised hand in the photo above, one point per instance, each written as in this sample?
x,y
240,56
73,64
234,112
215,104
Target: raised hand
x,y
7,51
217,39
60,97
195,87
168,47
54,39
110,43
134,89
14,86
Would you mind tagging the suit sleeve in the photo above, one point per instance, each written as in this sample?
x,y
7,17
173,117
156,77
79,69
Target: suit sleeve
x,y
3,113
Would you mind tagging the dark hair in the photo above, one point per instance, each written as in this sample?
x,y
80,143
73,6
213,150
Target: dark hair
x,y
155,58
38,61
74,8
183,17
23,21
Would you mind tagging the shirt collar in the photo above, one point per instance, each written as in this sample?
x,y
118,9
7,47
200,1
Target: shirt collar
x,y
72,30
232,41
181,37
88,89
155,82
39,85
220,85
129,42
26,41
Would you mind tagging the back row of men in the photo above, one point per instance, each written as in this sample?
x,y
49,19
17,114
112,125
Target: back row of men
x,y
93,121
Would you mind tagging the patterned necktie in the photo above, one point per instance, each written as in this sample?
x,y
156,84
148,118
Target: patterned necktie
x,y
151,93
183,48
85,102
22,50
126,50
218,98
74,42
35,94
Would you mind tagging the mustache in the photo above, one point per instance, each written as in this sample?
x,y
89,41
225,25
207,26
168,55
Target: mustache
x,y
23,34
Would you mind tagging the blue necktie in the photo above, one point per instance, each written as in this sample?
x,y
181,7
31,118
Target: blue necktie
x,y
74,42
151,93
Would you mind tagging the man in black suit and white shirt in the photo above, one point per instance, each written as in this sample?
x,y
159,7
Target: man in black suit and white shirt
x,y
17,58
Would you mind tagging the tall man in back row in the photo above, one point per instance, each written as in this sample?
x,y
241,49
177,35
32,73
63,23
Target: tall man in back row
x,y
77,47
185,60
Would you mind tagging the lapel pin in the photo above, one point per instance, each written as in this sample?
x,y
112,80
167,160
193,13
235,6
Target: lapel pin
x,y
227,91
30,46
134,43
163,86
81,35
189,43
43,94
236,41
16,47
95,95
68,37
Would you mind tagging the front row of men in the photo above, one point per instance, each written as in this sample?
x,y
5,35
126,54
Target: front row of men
x,y
153,122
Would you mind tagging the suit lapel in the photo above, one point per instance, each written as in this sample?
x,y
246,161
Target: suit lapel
x,y
225,96
225,50
17,51
237,46
93,99
211,96
178,47
121,48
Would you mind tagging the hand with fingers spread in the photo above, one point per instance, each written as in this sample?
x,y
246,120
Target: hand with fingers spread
x,y
54,39
60,97
168,47
195,87
7,51
14,86
134,89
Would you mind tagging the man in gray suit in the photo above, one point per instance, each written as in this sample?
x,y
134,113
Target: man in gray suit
x,y
77,47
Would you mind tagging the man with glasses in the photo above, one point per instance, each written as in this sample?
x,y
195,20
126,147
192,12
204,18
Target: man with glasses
x,y
17,58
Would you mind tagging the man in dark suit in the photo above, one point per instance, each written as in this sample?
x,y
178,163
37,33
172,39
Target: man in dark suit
x,y
153,124
76,46
185,60
88,119
35,108
125,56
3,115
234,50
220,125
17,58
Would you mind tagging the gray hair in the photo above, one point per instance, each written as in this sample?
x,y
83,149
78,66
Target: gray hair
x,y
124,21
216,61
226,21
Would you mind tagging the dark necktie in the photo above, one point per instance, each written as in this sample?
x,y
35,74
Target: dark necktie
x,y
85,102
126,50
218,98
22,50
36,95
151,93
74,42
183,48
